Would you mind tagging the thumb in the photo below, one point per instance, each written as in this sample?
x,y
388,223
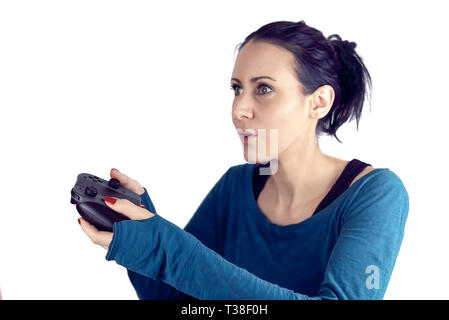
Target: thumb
x,y
127,182
115,173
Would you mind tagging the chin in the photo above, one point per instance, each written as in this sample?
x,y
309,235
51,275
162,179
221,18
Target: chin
x,y
251,154
261,160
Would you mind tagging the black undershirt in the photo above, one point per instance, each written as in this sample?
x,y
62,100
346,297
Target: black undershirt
x,y
352,169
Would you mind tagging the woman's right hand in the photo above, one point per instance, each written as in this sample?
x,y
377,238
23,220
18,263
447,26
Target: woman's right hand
x,y
126,182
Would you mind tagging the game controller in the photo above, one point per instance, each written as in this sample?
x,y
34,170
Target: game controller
x,y
88,194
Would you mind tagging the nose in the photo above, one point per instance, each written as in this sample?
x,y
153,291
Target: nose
x,y
241,110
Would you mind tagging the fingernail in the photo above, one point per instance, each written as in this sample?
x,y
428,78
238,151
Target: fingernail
x,y
142,206
109,200
79,221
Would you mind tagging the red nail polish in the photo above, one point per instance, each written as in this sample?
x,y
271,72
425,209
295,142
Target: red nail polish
x,y
79,221
109,200
142,206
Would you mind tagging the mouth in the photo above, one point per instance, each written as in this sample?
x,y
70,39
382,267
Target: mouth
x,y
245,134
244,139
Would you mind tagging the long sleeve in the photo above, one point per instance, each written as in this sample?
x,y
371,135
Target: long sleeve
x,y
153,289
370,236
201,225
365,253
179,259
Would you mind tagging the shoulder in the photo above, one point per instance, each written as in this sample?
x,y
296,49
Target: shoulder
x,y
380,183
234,176
378,177
365,171
381,192
239,171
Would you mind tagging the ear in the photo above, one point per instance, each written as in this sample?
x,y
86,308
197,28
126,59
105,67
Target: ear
x,y
321,101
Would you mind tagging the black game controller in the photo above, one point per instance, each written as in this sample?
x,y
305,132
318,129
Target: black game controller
x,y
88,194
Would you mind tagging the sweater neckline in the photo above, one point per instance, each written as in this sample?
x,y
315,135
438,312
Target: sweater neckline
x,y
300,226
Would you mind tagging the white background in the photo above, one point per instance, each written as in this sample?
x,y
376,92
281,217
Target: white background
x,y
144,87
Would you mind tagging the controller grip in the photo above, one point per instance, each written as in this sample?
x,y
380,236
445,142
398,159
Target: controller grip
x,y
101,217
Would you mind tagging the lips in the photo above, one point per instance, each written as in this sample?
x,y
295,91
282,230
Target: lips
x,y
246,132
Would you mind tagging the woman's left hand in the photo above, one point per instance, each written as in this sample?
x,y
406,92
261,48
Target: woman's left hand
x,y
123,206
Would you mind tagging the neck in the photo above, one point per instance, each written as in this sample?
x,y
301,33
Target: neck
x,y
304,174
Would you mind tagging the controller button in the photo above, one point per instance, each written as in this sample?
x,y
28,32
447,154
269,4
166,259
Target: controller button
x,y
75,197
114,183
91,191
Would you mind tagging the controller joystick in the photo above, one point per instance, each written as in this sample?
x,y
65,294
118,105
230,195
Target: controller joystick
x,y
91,191
114,183
87,194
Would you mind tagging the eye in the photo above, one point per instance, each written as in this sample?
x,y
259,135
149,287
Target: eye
x,y
233,87
261,85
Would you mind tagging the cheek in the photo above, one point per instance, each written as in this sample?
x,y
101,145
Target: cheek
x,y
270,143
288,124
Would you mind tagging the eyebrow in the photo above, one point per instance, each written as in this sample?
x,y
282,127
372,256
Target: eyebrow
x,y
254,79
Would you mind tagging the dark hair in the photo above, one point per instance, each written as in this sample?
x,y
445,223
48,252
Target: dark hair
x,y
320,61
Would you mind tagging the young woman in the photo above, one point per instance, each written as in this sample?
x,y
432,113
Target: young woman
x,y
314,227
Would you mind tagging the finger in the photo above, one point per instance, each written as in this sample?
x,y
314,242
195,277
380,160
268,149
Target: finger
x,y
127,208
115,173
126,182
102,238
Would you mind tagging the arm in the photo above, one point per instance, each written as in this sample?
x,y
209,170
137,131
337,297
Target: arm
x,y
153,289
179,259
371,234
201,225
363,258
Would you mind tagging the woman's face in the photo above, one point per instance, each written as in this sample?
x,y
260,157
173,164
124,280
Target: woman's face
x,y
275,103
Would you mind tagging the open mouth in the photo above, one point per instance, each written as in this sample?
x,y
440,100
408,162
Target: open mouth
x,y
247,132
244,134
245,138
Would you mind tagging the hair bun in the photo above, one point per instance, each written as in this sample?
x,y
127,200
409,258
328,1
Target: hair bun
x,y
336,39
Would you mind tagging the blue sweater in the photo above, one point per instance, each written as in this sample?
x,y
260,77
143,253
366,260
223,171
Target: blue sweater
x,y
229,249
